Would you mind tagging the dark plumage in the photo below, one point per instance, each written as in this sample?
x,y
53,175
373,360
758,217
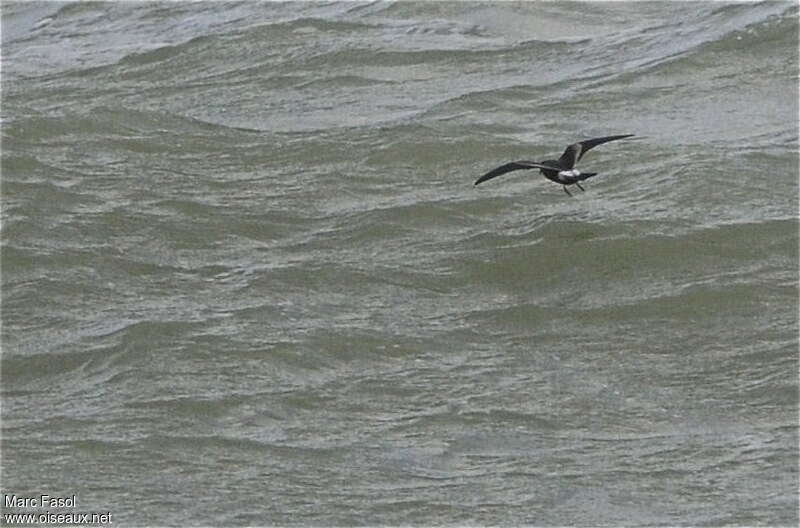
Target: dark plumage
x,y
561,170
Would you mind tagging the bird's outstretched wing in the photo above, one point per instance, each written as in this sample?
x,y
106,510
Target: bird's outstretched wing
x,y
575,152
514,165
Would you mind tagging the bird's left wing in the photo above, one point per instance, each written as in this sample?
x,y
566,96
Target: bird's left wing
x,y
512,166
575,152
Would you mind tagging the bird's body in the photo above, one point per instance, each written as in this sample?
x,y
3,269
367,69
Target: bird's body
x,y
562,170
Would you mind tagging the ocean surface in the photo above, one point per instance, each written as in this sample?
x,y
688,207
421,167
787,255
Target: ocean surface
x,y
247,278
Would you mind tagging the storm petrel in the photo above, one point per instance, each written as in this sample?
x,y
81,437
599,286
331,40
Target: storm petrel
x,y
562,170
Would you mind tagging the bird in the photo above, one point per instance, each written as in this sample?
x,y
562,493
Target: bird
x,y
563,169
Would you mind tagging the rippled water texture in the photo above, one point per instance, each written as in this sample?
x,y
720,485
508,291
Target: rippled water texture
x,y
247,279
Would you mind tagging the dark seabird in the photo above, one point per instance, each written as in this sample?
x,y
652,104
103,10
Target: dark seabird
x,y
562,170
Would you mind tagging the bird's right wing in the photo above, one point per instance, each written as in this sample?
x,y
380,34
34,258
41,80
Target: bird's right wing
x,y
508,167
575,152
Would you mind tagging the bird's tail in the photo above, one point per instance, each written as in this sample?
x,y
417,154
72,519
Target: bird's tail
x,y
585,175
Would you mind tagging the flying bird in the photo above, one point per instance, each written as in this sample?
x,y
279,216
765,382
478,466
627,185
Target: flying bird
x,y
562,170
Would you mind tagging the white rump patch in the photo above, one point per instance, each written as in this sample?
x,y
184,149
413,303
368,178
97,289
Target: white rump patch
x,y
568,174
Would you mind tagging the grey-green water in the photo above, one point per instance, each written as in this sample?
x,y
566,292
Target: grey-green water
x,y
247,279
